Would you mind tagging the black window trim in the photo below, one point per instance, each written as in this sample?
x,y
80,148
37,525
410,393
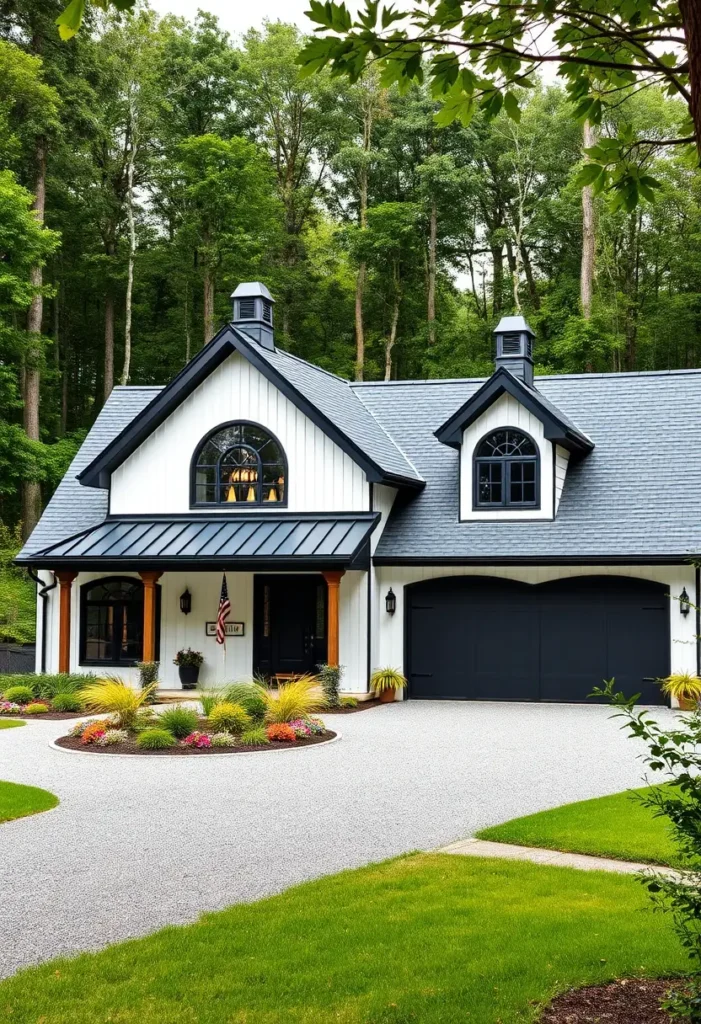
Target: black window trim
x,y
235,506
505,462
82,639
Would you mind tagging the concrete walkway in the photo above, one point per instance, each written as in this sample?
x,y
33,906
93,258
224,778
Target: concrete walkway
x,y
137,843
554,858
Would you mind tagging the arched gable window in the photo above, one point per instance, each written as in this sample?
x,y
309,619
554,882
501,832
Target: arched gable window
x,y
112,621
239,463
506,471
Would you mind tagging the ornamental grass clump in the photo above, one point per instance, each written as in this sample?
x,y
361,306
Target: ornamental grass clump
x,y
179,721
155,739
226,717
209,699
257,737
36,708
251,697
19,694
298,699
70,702
113,696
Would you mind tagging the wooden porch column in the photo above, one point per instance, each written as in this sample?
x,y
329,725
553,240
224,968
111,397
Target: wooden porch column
x,y
150,578
333,582
65,579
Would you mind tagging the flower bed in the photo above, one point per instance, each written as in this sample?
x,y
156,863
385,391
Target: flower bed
x,y
42,696
34,709
104,736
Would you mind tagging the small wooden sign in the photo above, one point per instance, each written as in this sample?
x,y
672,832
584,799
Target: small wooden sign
x,y
230,628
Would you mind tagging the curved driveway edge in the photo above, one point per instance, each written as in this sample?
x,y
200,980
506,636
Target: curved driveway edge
x,y
224,753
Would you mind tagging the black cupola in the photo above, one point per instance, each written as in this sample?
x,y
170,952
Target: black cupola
x,y
253,312
515,347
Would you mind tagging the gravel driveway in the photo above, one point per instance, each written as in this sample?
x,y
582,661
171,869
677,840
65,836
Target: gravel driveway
x,y
138,843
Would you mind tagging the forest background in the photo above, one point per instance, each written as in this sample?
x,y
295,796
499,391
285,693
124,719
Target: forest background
x,y
151,163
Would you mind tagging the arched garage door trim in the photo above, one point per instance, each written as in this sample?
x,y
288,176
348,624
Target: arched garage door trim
x,y
493,638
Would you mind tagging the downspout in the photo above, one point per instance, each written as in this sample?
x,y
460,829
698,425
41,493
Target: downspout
x,y
371,583
698,620
43,592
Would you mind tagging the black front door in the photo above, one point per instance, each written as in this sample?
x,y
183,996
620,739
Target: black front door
x,y
289,624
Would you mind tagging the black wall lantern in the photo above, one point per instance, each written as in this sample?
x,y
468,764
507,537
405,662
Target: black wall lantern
x,y
390,602
684,603
186,602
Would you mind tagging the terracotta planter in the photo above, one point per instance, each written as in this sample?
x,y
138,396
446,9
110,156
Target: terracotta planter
x,y
387,696
685,704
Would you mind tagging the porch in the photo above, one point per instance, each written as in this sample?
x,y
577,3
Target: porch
x,y
136,590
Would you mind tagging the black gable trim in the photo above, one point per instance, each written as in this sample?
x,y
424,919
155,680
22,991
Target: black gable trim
x,y
227,341
502,382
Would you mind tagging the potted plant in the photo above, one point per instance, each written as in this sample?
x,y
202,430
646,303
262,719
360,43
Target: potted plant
x,y
385,683
188,662
686,689
148,677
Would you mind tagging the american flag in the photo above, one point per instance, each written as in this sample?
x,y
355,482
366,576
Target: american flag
x,y
224,609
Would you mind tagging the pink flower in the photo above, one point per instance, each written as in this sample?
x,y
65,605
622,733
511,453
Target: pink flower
x,y
197,739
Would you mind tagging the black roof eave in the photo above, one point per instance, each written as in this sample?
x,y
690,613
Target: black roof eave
x,y
287,564
227,341
502,382
532,560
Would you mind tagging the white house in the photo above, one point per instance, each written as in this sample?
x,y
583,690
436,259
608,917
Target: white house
x,y
505,539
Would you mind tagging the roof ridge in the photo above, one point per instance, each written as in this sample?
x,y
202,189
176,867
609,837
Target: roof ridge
x,y
314,366
613,374
386,433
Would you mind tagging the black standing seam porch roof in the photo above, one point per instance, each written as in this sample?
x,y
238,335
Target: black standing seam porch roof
x,y
239,542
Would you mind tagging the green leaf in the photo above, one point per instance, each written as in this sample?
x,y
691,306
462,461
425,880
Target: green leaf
x,y
511,107
588,175
70,19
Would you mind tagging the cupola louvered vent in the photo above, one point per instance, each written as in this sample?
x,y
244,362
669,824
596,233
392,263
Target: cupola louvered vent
x,y
247,309
253,312
267,312
511,344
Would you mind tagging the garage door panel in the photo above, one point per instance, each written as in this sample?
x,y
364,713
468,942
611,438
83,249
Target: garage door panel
x,y
482,638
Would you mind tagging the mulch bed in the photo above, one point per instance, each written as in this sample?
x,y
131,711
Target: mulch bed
x,y
130,747
363,705
629,1001
48,715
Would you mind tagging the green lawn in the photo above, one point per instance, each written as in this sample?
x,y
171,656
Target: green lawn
x,y
19,801
9,723
425,939
611,826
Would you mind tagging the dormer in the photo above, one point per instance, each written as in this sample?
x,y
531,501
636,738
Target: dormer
x,y
514,444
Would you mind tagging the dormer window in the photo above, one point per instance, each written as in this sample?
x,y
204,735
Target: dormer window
x,y
239,464
506,471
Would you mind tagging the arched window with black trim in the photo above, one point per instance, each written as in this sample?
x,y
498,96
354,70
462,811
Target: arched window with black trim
x,y
506,471
239,464
112,621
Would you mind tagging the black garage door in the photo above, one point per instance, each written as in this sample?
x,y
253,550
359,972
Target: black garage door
x,y
482,638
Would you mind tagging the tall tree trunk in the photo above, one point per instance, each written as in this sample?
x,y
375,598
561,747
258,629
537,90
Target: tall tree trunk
x,y
392,336
631,289
208,304
497,279
63,424
187,321
530,279
690,11
586,277
359,326
31,491
130,265
108,382
431,298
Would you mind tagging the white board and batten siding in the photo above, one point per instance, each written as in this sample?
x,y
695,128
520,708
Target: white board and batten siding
x,y
507,412
155,479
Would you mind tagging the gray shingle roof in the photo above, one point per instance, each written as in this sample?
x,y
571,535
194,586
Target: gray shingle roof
x,y
335,398
73,507
637,494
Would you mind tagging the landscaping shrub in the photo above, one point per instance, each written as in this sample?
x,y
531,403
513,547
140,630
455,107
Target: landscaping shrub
x,y
676,754
37,708
330,680
223,739
349,702
92,732
179,721
8,707
281,731
145,718
148,677
298,699
155,739
251,697
209,700
49,686
114,696
197,739
254,737
67,702
79,728
19,694
111,737
229,718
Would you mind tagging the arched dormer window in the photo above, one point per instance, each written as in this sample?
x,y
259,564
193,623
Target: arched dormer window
x,y
239,464
506,471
